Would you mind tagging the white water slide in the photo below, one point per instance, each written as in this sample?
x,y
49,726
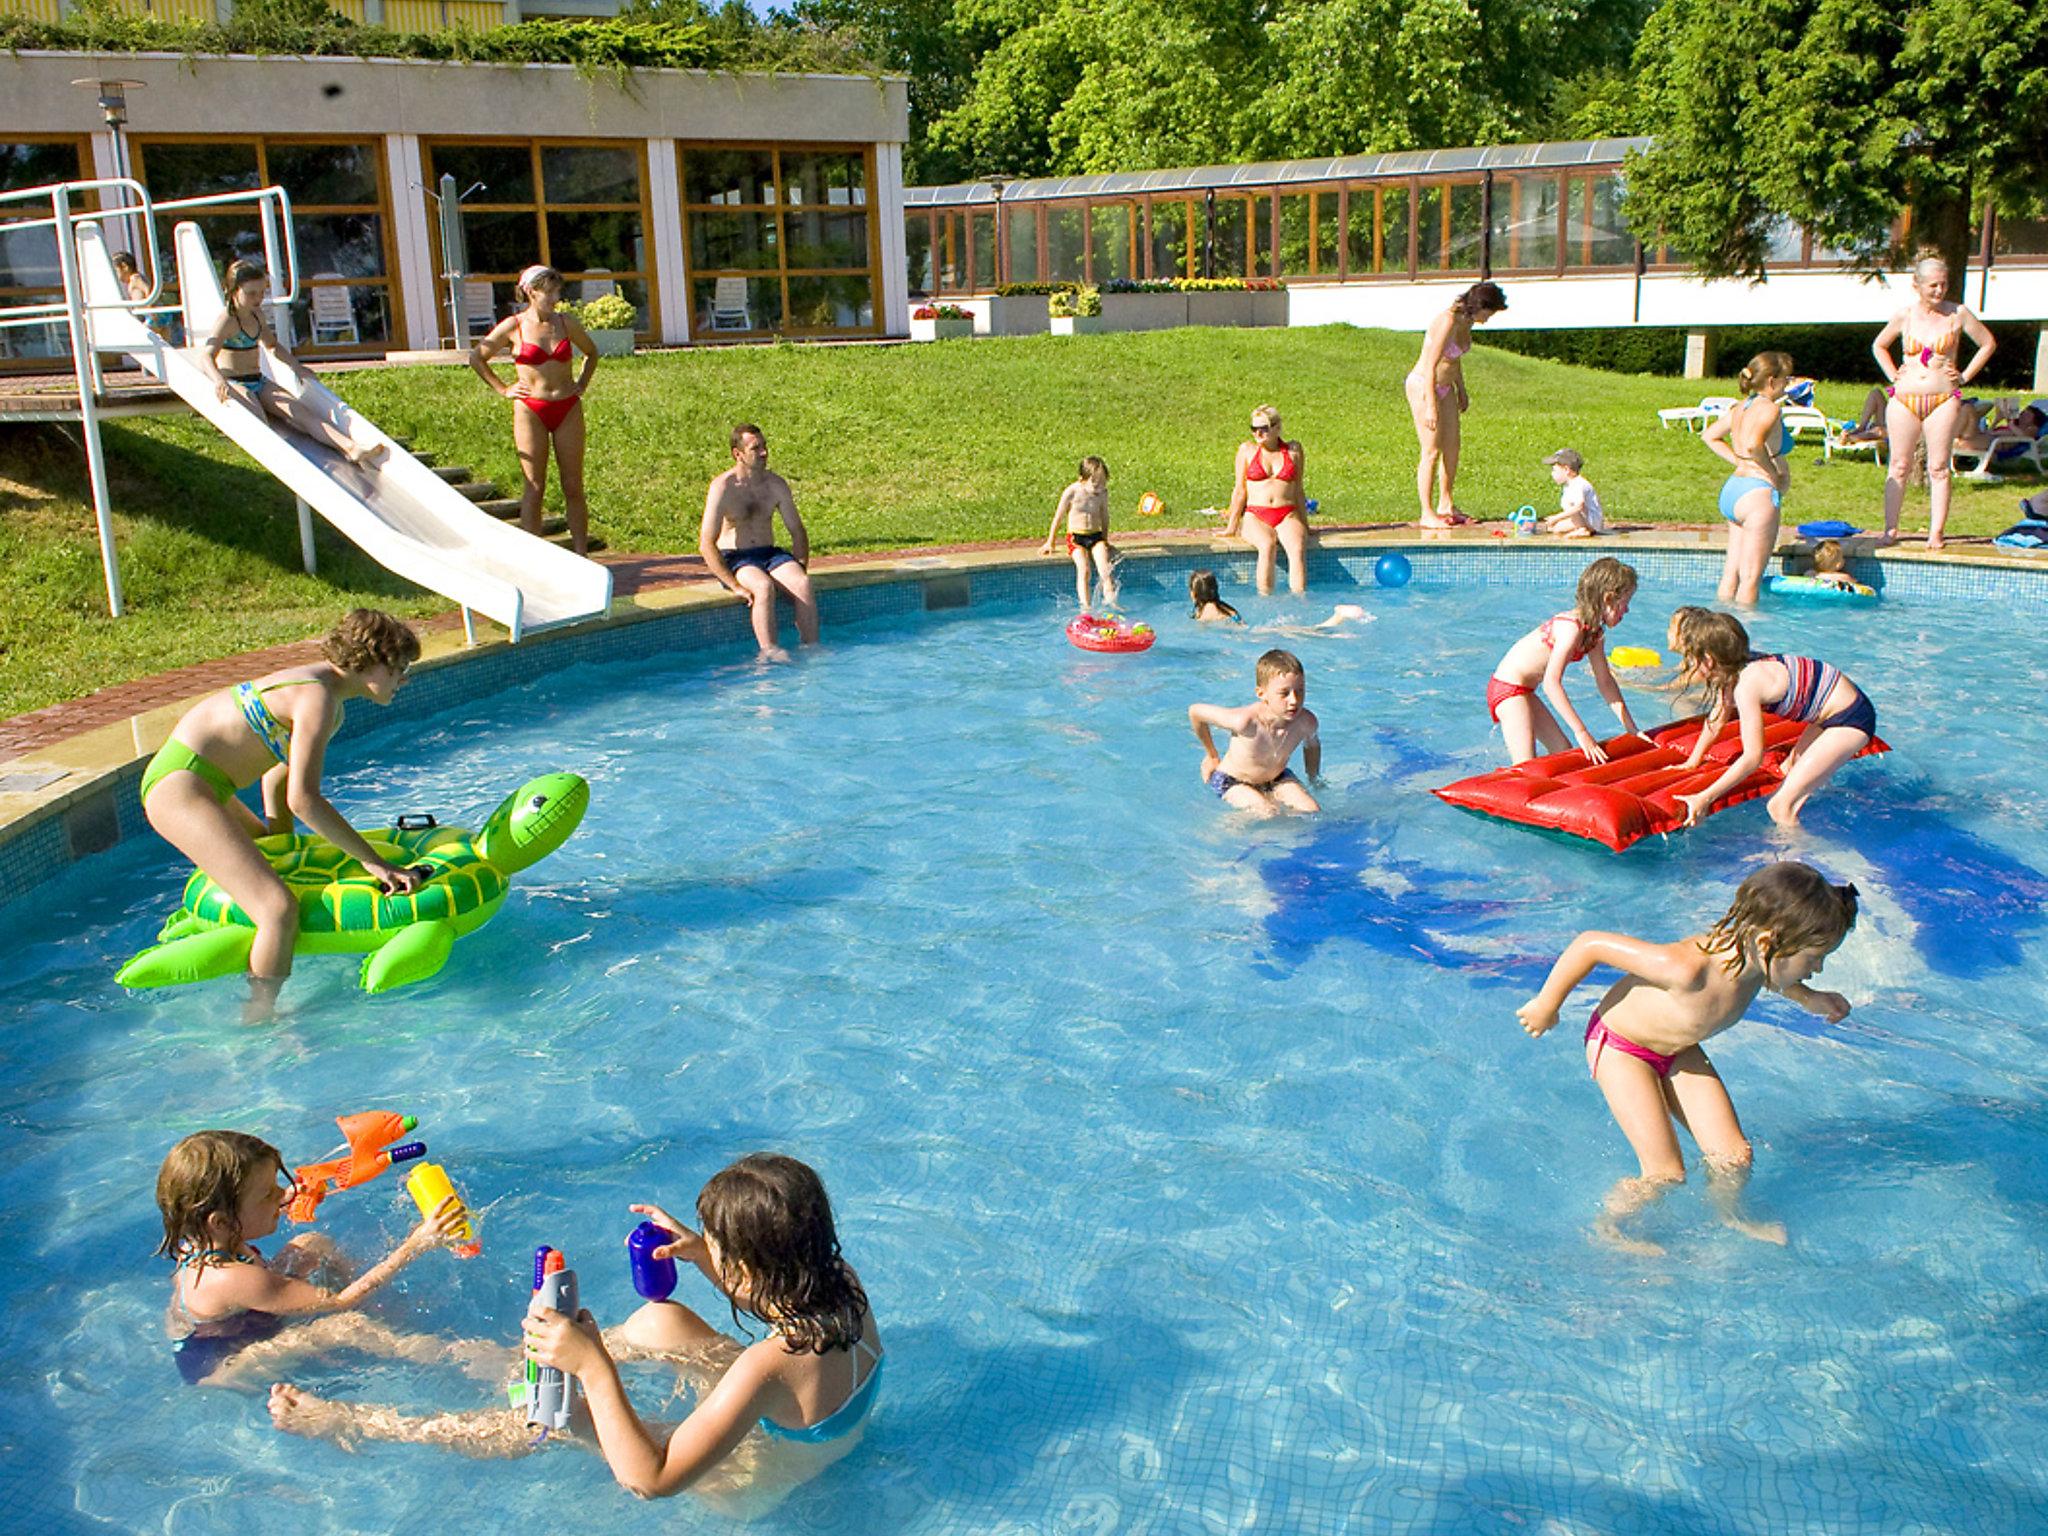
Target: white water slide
x,y
397,511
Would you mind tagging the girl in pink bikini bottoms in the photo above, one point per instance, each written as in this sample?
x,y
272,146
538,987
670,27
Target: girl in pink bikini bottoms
x,y
1540,657
1643,1040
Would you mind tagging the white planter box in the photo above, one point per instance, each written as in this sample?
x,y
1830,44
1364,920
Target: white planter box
x,y
1228,307
940,330
1022,315
613,343
1144,311
1078,325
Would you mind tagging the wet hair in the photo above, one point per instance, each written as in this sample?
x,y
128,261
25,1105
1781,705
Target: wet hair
x,y
745,430
1278,664
1782,909
1762,368
124,263
1481,299
368,638
1714,649
772,1223
1827,556
536,276
1093,469
240,272
202,1177
1202,591
1600,584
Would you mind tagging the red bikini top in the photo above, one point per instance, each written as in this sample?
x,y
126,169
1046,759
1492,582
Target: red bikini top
x,y
1288,470
533,356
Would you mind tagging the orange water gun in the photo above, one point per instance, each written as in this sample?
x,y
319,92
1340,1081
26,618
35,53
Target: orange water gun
x,y
368,1152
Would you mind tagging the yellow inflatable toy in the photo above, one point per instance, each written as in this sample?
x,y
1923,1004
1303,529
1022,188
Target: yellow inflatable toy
x,y
1628,656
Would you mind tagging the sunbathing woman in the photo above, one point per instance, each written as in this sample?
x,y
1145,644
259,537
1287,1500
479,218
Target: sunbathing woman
x,y
540,338
1926,389
1269,487
230,355
1437,398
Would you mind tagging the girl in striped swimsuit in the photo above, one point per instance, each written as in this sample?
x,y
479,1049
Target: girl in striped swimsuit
x,y
1840,720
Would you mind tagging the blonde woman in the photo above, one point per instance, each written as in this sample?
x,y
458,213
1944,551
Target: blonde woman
x,y
1926,390
1269,470
547,391
1437,399
1750,436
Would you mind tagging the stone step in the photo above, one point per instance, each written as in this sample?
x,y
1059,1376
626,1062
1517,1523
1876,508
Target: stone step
x,y
478,490
500,506
452,473
558,533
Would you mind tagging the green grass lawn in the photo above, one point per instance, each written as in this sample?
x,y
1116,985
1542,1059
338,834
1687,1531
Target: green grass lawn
x,y
887,447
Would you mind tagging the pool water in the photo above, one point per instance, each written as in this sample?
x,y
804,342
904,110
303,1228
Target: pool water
x,y
1200,1173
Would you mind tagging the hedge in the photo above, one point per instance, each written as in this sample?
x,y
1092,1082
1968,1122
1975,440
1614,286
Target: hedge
x,y
1836,352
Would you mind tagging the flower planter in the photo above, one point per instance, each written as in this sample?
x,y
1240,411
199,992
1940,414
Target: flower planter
x,y
1229,307
1020,315
613,343
1078,325
941,329
1144,311
1269,308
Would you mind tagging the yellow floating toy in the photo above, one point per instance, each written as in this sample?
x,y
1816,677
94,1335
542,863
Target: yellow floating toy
x,y
1151,504
1627,656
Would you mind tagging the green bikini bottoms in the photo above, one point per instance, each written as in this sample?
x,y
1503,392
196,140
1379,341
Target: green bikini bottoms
x,y
175,757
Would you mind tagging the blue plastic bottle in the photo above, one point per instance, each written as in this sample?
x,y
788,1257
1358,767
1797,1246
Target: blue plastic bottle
x,y
653,1278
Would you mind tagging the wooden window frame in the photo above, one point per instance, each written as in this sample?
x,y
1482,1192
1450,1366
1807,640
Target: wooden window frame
x,y
16,294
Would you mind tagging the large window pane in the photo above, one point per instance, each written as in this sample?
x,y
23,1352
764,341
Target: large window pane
x,y
1326,234
231,237
820,239
952,252
1111,234
1294,234
1021,257
744,304
35,165
28,258
743,240
198,170
589,173
2019,237
333,316
506,170
917,250
1227,238
728,176
501,242
1170,243
832,179
1594,233
1786,242
831,304
983,228
1467,230
632,289
1063,237
340,244
1261,261
1429,227
1525,223
585,242
325,174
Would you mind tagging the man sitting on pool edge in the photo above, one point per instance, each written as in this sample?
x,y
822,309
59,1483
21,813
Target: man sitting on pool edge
x,y
737,541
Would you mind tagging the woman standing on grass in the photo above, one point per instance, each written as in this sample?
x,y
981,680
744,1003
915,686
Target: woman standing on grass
x,y
540,338
1926,389
1437,399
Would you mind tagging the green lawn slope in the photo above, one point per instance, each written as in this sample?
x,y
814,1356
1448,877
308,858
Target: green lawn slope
x,y
887,447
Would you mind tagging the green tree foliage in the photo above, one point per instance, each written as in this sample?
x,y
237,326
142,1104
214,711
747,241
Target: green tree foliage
x,y
1839,114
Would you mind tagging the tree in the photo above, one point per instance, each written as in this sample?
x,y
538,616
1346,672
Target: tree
x,y
1841,115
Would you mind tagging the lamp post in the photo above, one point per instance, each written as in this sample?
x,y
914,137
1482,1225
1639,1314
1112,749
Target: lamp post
x,y
113,104
997,181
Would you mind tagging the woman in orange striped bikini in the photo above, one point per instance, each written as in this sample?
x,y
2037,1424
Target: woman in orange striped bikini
x,y
1926,389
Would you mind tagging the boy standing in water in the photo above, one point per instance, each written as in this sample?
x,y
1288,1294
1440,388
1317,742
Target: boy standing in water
x,y
1252,773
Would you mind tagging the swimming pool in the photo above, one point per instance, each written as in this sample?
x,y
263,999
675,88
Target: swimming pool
x,y
1199,1170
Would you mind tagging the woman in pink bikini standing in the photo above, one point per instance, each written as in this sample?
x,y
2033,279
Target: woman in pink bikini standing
x,y
1269,488
1437,398
547,402
1926,389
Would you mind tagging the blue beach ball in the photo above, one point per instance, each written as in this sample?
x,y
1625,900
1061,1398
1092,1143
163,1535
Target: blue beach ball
x,y
1393,570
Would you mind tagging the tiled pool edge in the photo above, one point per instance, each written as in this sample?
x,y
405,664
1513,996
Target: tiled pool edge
x,y
89,804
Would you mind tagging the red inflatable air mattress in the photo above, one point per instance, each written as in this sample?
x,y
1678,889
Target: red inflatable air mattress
x,y
1633,793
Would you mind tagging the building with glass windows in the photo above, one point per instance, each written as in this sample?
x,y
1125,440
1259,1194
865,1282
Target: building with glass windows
x,y
722,206
1354,236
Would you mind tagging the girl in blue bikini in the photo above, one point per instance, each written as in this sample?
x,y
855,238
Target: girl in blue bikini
x,y
274,729
1755,443
769,1247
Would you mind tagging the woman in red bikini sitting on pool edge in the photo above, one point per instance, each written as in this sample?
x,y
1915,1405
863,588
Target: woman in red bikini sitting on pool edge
x,y
547,402
1269,487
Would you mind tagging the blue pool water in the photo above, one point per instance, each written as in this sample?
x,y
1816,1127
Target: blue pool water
x,y
1199,1171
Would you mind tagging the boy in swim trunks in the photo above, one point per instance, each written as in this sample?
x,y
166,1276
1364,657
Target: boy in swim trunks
x,y
1085,506
737,541
1643,1041
1252,774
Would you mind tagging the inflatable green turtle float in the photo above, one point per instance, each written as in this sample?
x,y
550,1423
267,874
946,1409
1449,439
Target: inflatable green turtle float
x,y
342,910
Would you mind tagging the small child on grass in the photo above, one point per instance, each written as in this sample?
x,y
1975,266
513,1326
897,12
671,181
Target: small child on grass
x,y
1578,515
1252,773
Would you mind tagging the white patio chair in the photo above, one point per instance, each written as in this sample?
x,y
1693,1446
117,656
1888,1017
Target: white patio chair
x,y
1693,417
479,308
334,317
596,285
729,311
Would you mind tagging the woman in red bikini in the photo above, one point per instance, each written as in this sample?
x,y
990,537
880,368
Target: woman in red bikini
x,y
1269,488
1926,389
1435,386
547,402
